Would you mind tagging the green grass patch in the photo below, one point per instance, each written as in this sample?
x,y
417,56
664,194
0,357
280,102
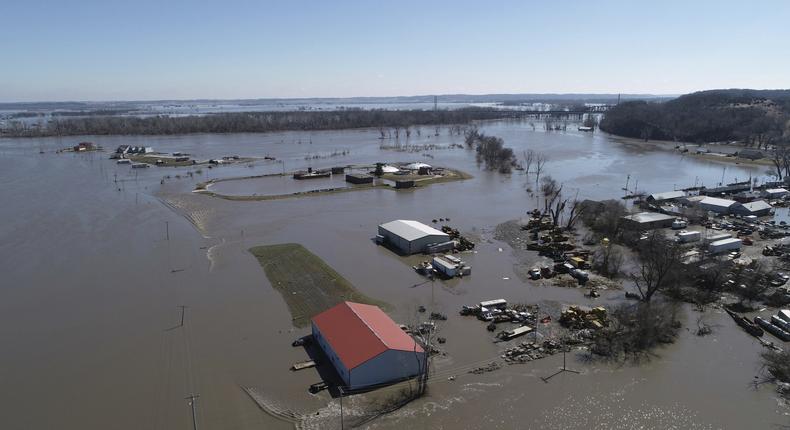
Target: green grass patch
x,y
308,285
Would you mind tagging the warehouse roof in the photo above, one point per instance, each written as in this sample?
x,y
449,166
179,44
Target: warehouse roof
x,y
358,333
714,201
668,195
411,230
757,205
645,217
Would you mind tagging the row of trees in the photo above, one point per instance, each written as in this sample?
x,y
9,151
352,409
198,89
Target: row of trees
x,y
251,122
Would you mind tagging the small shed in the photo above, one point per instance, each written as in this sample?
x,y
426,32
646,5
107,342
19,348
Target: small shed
x,y
359,178
404,183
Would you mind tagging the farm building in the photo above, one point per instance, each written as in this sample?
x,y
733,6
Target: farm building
x,y
775,193
756,208
717,205
417,166
666,196
359,179
647,221
410,237
365,346
751,154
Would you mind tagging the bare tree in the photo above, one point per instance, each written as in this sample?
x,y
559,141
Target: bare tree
x,y
540,163
608,259
554,204
659,260
575,211
529,158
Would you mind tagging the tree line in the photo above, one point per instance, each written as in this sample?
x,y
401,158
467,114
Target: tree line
x,y
248,122
758,118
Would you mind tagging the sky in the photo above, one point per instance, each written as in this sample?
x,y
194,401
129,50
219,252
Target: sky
x,y
148,50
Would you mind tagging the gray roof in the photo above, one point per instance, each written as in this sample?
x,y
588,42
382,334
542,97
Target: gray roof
x,y
668,195
757,205
714,201
645,217
411,230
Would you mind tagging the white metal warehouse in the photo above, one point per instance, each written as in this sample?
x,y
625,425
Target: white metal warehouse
x,y
365,346
410,237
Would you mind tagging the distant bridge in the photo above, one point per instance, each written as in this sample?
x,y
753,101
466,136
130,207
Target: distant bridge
x,y
539,114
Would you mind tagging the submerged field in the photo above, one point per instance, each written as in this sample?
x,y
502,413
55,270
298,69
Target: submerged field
x,y
308,285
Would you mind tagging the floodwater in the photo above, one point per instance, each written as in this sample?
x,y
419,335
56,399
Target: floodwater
x,y
97,258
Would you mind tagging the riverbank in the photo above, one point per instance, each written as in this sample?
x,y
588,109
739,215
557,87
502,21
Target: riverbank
x,y
725,156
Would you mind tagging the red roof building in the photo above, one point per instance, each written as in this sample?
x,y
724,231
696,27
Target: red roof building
x,y
365,346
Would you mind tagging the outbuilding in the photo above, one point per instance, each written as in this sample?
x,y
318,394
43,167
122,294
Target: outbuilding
x,y
756,208
359,178
751,154
404,183
647,221
665,197
365,346
775,193
410,237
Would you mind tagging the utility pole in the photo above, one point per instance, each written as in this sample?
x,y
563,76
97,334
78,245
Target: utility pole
x,y
193,403
183,311
167,230
564,368
181,324
342,423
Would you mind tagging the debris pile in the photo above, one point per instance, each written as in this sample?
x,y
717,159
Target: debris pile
x,y
464,244
577,318
490,367
528,351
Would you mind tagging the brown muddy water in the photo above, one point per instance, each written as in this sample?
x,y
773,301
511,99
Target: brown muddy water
x,y
89,317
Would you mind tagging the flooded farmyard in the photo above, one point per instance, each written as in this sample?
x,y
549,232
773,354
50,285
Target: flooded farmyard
x,y
99,261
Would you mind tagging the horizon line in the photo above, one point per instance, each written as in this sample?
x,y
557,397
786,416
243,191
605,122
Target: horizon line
x,y
547,94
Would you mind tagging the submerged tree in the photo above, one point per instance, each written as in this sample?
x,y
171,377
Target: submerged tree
x,y
659,261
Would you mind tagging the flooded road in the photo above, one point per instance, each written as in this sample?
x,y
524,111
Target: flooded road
x,y
97,257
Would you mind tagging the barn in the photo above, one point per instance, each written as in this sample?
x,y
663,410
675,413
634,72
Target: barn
x,y
365,346
410,237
